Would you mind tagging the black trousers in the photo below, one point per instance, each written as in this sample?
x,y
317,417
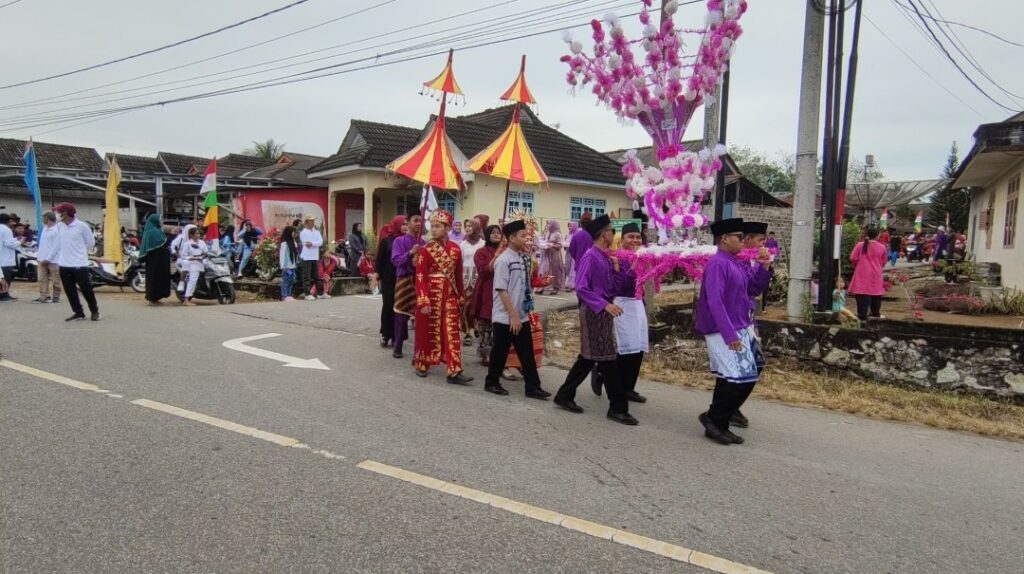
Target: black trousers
x,y
609,378
75,279
726,400
866,303
311,276
629,370
387,310
523,342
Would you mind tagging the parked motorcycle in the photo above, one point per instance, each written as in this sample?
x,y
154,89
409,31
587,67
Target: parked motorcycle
x,y
25,264
214,283
103,273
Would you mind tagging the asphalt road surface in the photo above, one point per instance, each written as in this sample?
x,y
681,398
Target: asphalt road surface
x,y
142,444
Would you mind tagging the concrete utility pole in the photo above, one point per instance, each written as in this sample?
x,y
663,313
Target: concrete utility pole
x,y
801,249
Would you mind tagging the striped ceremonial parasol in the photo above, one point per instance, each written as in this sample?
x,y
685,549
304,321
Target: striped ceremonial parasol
x,y
430,162
509,157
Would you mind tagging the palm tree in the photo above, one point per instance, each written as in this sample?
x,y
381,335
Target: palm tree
x,y
267,149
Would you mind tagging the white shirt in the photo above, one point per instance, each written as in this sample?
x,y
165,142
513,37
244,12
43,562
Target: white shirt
x,y
8,246
74,241
47,244
312,236
192,253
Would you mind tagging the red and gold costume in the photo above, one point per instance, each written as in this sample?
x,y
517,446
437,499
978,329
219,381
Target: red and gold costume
x,y
439,287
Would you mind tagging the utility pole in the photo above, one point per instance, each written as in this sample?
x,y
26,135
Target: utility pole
x,y
801,249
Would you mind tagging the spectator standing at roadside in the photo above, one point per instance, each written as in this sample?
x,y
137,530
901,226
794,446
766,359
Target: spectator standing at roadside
x,y
74,240
49,271
311,241
868,257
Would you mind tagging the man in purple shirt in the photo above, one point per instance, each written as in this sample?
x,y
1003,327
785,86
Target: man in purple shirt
x,y
403,255
580,243
597,278
723,316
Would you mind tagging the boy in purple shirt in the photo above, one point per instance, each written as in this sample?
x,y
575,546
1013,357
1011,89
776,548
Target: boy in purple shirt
x,y
597,279
723,316
403,254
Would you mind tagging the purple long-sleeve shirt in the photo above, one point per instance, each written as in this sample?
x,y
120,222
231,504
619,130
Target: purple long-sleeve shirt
x,y
724,304
401,255
579,243
596,284
625,286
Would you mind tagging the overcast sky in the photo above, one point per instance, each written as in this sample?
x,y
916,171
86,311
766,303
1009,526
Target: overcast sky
x,y
903,117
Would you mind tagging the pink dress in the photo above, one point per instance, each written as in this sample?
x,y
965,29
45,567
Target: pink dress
x,y
867,273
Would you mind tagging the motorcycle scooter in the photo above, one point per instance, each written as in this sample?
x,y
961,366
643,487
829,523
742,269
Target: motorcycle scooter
x,y
215,282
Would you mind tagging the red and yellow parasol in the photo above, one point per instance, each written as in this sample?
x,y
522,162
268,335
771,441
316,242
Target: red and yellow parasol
x,y
430,162
509,157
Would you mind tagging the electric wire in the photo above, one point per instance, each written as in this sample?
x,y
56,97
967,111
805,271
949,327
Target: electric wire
x,y
974,28
159,49
477,32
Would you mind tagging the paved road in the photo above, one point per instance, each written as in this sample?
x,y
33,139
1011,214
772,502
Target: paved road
x,y
91,482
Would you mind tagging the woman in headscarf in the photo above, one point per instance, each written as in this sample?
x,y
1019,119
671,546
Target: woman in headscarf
x,y
570,263
176,254
155,255
357,247
469,246
551,256
480,306
386,271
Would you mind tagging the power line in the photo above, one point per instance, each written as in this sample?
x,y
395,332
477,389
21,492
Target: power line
x,y
161,48
477,31
919,67
210,58
954,62
11,3
958,46
506,18
288,80
941,20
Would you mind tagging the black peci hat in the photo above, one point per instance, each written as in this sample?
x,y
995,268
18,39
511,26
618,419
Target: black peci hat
x,y
596,225
755,228
630,228
726,226
513,226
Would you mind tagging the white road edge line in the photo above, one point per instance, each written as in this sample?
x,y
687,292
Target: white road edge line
x,y
51,377
214,421
664,549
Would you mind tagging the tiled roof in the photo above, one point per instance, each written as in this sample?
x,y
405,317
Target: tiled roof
x,y
370,144
291,168
241,161
138,163
181,164
53,156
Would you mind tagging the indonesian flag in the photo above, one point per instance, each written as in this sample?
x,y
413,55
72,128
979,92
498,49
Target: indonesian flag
x,y
919,221
209,190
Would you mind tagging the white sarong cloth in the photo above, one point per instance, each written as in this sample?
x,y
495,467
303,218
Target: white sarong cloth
x,y
743,366
631,326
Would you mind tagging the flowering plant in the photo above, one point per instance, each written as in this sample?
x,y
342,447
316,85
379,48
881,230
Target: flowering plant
x,y
652,89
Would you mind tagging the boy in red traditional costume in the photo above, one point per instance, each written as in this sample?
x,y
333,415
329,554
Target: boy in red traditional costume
x,y
439,298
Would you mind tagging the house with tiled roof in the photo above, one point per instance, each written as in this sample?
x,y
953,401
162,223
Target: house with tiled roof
x,y
50,157
360,188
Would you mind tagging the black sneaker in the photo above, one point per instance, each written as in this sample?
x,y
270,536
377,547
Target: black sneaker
x,y
739,420
7,298
55,300
75,317
95,316
41,300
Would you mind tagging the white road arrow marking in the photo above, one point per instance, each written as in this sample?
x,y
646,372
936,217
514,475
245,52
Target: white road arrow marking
x,y
289,361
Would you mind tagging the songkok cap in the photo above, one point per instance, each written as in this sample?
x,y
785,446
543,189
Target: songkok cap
x,y
596,225
442,216
755,228
309,217
513,226
726,226
630,228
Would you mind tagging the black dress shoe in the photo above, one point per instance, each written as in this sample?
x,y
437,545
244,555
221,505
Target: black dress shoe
x,y
397,353
624,418
95,316
739,420
735,438
459,379
384,342
420,374
712,431
538,394
570,406
496,389
595,382
635,397
75,317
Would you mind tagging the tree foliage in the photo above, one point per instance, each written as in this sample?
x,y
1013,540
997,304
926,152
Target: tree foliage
x,y
776,176
268,149
955,202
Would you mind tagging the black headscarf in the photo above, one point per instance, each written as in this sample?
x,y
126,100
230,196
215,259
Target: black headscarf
x,y
487,236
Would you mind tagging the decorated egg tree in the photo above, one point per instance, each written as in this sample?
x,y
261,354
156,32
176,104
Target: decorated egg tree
x,y
651,81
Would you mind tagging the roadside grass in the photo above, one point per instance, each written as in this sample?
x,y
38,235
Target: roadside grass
x,y
676,362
